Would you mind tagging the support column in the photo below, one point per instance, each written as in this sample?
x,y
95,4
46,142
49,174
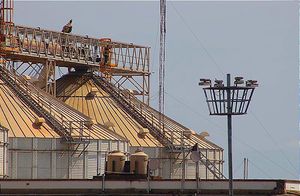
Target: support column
x,y
53,158
34,159
50,77
229,124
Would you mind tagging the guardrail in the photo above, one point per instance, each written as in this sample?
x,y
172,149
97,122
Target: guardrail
x,y
74,50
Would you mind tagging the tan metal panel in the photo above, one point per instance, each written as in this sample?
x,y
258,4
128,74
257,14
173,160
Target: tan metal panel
x,y
76,167
3,151
177,170
103,109
2,161
44,144
43,165
91,167
10,164
114,145
24,143
203,171
62,165
92,146
105,145
101,163
190,170
18,117
211,154
24,165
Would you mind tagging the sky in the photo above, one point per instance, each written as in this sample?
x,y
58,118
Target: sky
x,y
256,40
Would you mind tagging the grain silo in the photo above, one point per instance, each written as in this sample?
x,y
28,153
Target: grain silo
x,y
65,128
62,145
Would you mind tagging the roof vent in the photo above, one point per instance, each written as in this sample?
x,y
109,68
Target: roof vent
x,y
143,132
39,121
93,91
90,123
26,77
188,133
108,124
203,134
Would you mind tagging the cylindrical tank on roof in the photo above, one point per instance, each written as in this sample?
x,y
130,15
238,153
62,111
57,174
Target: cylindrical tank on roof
x,y
138,162
115,161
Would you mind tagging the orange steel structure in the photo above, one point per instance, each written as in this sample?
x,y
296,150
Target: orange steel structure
x,y
39,51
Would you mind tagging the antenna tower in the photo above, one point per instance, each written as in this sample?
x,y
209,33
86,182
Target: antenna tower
x,y
162,60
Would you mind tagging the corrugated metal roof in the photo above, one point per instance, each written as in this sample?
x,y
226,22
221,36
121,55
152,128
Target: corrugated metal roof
x,y
19,118
74,90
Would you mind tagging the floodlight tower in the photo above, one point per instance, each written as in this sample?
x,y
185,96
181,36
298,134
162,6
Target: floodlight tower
x,y
227,101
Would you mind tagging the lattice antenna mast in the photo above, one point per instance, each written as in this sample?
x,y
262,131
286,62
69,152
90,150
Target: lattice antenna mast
x,y
162,60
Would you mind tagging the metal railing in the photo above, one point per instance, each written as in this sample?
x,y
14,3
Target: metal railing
x,y
121,99
69,130
149,119
74,50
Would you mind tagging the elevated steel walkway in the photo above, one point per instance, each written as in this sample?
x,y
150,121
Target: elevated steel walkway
x,y
37,45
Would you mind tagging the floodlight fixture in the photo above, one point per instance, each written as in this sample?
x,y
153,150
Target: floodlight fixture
x,y
251,83
205,82
238,80
219,83
227,101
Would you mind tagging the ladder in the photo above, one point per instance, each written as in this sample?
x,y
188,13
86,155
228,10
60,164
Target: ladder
x,y
15,85
211,167
121,100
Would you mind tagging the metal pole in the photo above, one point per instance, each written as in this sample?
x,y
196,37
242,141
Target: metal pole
x,y
183,162
197,176
229,124
247,173
148,178
245,163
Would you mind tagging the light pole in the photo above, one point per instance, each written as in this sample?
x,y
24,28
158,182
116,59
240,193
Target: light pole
x,y
227,101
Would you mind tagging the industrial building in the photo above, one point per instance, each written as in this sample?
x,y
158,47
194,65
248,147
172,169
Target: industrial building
x,y
65,128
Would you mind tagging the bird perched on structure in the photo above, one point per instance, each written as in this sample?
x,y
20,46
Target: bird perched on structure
x,y
67,28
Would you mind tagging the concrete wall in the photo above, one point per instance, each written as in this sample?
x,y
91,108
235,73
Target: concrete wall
x,y
160,187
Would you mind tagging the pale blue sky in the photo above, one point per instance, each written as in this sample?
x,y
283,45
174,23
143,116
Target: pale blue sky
x,y
257,40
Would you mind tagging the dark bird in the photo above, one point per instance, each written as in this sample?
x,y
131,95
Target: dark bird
x,y
67,28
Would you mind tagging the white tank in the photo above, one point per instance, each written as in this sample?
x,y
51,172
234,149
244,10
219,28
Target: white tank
x,y
139,162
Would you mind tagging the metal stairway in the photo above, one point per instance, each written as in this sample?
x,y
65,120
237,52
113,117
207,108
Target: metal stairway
x,y
128,107
120,99
211,167
15,84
